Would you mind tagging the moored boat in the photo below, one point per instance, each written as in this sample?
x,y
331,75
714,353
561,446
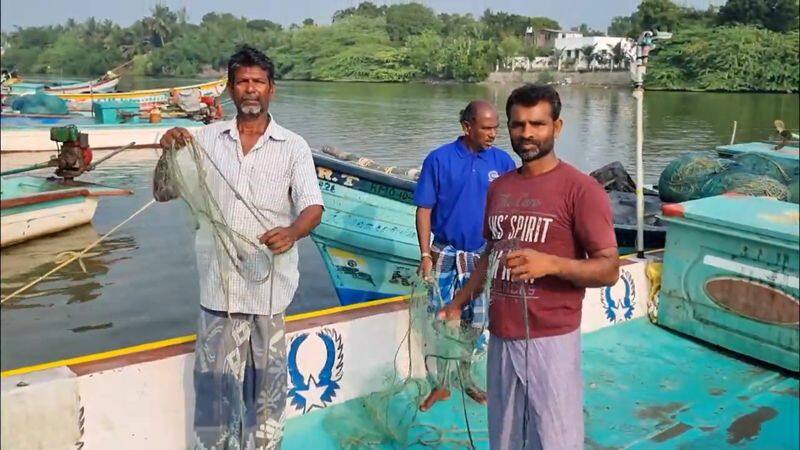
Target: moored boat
x,y
32,134
106,83
32,207
147,98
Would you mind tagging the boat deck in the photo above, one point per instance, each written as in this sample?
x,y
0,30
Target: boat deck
x,y
645,387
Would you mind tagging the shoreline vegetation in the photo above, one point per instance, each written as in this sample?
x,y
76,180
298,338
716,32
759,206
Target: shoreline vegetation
x,y
742,46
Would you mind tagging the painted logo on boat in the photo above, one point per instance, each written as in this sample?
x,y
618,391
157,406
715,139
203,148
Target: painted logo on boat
x,y
493,175
316,365
351,264
619,301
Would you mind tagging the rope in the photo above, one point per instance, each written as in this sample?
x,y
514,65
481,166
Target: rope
x,y
64,256
75,256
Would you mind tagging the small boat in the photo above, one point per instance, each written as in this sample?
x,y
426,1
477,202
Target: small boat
x,y
106,83
368,237
147,99
31,133
31,206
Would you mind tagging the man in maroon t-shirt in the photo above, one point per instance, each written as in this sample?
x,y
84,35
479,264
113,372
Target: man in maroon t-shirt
x,y
550,231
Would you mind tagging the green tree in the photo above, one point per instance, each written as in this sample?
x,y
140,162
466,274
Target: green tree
x,y
264,25
662,15
309,22
775,15
364,9
586,31
409,19
618,56
587,53
740,58
621,26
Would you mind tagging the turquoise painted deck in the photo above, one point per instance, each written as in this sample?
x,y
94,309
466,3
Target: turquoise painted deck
x,y
731,276
645,387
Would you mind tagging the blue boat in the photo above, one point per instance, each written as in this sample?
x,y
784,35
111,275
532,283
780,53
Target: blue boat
x,y
368,237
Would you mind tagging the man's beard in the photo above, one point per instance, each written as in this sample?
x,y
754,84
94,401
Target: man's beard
x,y
541,150
249,109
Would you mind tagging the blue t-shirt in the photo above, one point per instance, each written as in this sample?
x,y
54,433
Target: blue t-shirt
x,y
453,183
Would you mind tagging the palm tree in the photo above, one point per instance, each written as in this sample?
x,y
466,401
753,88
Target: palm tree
x,y
617,55
587,51
558,54
160,25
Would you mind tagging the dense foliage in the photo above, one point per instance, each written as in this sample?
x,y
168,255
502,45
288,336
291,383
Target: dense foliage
x,y
744,45
738,58
399,42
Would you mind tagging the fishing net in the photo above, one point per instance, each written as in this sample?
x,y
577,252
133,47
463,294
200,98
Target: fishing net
x,y
761,164
684,177
745,184
188,175
794,189
40,103
390,418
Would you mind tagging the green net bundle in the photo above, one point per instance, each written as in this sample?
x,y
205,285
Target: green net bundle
x,y
40,103
745,184
761,164
684,177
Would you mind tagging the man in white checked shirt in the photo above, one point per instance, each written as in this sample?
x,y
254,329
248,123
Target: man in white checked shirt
x,y
240,356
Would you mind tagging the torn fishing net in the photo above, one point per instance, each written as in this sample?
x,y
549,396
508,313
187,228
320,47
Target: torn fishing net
x,y
390,418
191,174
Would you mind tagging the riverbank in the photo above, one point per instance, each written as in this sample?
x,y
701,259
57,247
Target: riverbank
x,y
595,79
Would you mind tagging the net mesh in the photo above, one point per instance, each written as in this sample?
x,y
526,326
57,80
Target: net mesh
x,y
684,177
190,177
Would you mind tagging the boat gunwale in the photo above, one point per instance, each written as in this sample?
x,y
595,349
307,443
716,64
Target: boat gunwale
x,y
140,93
365,173
152,351
82,189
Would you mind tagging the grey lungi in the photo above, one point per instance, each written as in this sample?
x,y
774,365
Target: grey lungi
x,y
240,381
555,393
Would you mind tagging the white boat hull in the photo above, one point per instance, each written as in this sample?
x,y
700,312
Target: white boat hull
x,y
38,140
15,228
133,401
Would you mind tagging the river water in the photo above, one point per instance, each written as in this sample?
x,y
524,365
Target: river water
x,y
141,285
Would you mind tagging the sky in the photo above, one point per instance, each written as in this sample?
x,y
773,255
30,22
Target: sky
x,y
596,13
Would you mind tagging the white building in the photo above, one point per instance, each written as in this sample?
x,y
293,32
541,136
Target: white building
x,y
571,49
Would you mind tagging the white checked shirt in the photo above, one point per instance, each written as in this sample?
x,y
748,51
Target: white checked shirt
x,y
276,177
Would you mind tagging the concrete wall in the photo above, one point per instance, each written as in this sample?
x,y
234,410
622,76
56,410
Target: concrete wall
x,y
597,78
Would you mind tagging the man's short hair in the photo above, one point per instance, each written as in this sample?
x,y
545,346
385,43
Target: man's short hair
x,y
247,56
531,94
468,114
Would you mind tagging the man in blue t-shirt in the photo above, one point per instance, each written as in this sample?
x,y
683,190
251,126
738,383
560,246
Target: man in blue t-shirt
x,y
451,199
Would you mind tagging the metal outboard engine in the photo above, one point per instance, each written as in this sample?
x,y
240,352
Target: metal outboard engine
x,y
74,155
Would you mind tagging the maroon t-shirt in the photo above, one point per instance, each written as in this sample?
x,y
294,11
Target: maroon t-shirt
x,y
562,212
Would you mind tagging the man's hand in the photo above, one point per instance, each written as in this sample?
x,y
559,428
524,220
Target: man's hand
x,y
279,239
425,268
451,311
175,138
528,263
